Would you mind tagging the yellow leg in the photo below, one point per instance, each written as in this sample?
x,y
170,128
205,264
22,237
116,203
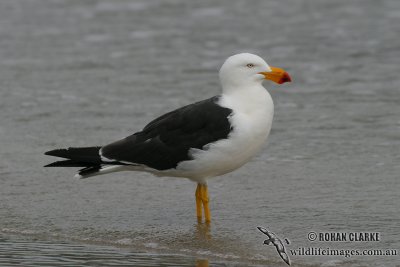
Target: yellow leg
x,y
198,203
205,201
202,199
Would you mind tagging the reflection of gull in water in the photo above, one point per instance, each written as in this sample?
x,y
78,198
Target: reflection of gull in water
x,y
202,263
202,232
274,240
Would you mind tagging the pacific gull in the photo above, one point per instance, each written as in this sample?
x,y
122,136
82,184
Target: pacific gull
x,y
198,141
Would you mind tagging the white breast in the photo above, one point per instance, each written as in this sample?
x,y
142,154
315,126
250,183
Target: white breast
x,y
251,121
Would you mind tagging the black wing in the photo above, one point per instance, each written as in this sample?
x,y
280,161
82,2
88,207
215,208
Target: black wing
x,y
166,141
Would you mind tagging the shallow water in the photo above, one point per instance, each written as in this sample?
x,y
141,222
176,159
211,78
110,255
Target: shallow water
x,y
81,73
32,252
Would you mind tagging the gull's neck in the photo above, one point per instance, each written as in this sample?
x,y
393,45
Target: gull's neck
x,y
248,98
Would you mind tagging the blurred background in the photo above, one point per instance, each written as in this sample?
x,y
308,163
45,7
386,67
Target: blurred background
x,y
83,73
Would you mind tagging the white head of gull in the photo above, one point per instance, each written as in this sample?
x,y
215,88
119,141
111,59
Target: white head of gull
x,y
247,70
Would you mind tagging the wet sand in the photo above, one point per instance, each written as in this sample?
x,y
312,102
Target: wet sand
x,y
76,73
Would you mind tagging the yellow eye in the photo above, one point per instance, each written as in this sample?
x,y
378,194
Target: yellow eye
x,y
250,65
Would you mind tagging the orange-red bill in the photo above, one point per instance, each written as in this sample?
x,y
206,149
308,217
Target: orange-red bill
x,y
277,75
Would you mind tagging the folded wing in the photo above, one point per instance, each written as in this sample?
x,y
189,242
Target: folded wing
x,y
166,141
